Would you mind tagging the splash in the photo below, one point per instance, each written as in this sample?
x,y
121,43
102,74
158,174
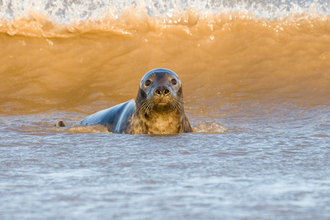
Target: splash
x,y
83,129
45,18
209,128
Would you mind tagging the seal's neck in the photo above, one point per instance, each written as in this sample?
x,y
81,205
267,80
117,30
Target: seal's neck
x,y
159,123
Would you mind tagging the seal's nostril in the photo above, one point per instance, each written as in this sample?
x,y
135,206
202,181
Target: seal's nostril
x,y
162,91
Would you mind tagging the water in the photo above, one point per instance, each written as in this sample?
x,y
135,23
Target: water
x,y
233,175
256,87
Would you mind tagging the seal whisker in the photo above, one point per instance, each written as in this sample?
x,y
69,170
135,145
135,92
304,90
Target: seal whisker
x,y
177,104
143,106
179,107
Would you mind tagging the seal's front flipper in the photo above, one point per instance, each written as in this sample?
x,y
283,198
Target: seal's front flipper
x,y
60,123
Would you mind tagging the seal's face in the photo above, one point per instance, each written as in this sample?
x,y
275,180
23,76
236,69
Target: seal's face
x,y
160,91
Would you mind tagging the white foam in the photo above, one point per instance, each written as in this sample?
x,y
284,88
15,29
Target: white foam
x,y
74,11
209,128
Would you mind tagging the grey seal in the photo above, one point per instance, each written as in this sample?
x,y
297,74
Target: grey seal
x,y
157,109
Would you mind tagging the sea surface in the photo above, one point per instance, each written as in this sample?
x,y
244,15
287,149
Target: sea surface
x,y
256,86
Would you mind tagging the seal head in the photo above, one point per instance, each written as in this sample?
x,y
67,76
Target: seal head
x,y
160,91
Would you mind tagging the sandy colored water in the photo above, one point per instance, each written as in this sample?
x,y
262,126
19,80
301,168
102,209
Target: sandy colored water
x,y
233,55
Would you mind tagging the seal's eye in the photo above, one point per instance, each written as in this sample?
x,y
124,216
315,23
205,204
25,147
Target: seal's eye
x,y
147,83
174,82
